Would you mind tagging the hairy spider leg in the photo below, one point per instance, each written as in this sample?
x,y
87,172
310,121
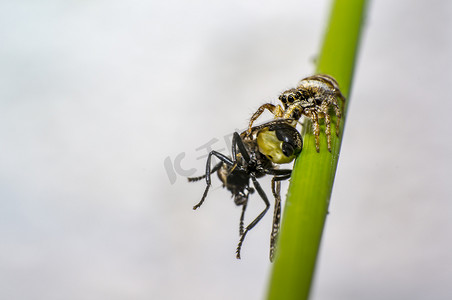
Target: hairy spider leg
x,y
338,111
312,114
340,95
276,110
316,129
327,129
221,157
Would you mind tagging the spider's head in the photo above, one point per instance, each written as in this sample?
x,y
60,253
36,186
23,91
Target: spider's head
x,y
290,96
280,143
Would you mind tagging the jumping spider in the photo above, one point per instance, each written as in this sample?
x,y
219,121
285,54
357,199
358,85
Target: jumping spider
x,y
312,98
255,153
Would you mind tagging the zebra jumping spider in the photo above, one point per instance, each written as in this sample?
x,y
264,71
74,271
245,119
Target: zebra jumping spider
x,y
312,98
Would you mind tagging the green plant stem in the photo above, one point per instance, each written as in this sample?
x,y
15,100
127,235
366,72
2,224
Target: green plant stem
x,y
313,175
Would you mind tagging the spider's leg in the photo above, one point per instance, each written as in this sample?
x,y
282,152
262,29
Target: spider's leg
x,y
276,189
339,94
338,112
221,157
328,129
274,109
294,111
315,128
337,109
258,218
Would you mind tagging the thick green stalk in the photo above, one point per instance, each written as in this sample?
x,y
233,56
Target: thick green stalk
x,y
313,175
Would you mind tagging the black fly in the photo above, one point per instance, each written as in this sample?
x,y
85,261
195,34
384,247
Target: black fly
x,y
255,153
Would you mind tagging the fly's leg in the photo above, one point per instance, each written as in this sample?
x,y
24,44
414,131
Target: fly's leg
x,y
258,218
193,179
221,157
276,189
242,217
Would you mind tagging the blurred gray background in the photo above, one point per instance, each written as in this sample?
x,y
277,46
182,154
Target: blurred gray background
x,y
105,107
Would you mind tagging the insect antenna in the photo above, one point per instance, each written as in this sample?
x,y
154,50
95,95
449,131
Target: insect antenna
x,y
193,179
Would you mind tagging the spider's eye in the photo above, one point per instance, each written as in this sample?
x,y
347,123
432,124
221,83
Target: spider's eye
x,y
287,149
298,94
283,99
291,99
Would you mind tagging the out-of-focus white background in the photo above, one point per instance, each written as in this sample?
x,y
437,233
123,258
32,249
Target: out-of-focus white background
x,y
106,105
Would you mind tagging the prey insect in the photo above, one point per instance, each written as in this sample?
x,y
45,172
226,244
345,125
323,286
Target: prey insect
x,y
255,154
313,97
